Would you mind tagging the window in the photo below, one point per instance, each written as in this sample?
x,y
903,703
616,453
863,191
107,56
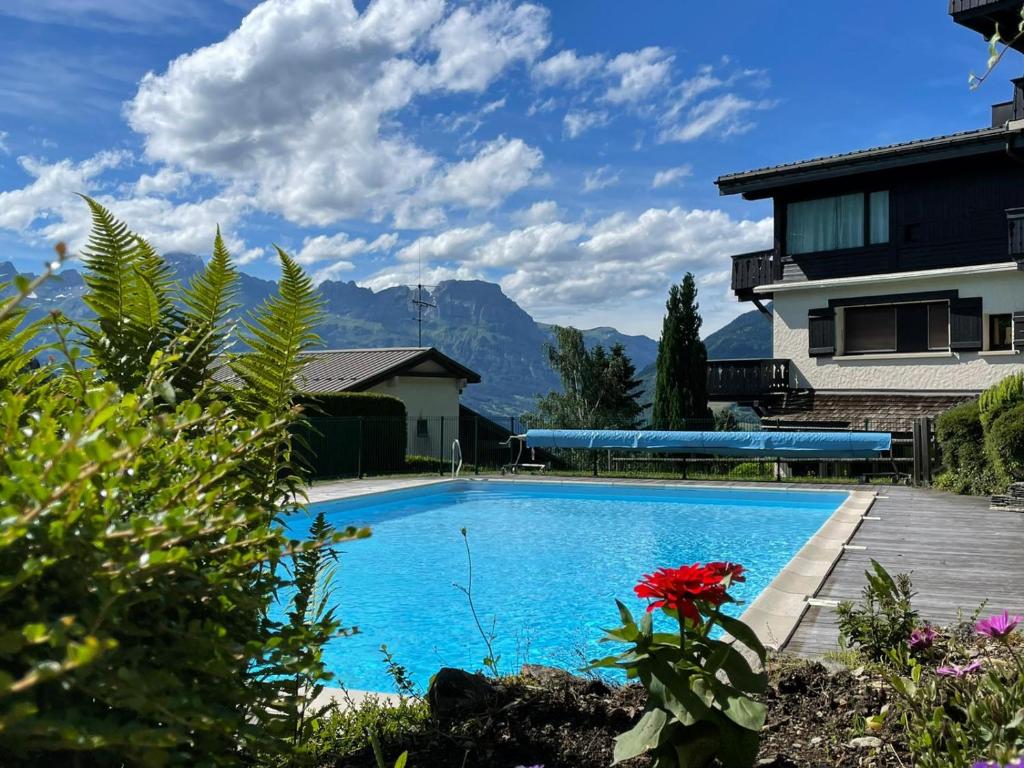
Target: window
x,y
878,217
833,223
917,327
1000,332
870,329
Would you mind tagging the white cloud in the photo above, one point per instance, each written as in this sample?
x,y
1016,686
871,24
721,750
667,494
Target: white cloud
x,y
540,243
670,175
299,103
450,244
51,192
578,122
3,143
476,45
164,181
567,67
638,74
539,213
136,16
501,167
725,115
602,178
409,274
341,246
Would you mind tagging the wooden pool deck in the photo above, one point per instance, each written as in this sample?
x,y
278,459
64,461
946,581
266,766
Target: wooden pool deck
x,y
957,550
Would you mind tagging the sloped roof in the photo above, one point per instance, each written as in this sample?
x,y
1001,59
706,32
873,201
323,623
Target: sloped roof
x,y
758,182
340,370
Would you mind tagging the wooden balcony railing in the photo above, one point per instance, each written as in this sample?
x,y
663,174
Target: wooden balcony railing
x,y
747,379
1015,234
752,270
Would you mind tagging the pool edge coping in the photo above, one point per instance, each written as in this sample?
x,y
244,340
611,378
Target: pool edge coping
x,y
776,612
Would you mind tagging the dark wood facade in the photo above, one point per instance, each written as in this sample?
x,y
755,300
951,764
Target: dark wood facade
x,y
941,215
955,213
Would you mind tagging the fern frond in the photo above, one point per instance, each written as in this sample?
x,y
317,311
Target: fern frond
x,y
131,291
153,306
277,334
208,300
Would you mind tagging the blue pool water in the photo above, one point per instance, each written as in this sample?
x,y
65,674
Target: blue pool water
x,y
549,560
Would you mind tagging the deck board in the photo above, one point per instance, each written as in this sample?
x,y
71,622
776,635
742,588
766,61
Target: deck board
x,y
958,551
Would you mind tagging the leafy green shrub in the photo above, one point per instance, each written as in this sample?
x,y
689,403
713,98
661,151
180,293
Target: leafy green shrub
x,y
961,440
140,557
699,706
752,470
1004,441
883,620
344,732
999,397
424,464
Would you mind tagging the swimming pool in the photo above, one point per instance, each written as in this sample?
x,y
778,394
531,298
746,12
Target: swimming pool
x,y
549,560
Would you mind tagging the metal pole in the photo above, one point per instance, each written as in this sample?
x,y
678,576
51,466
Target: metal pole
x,y
359,452
440,460
476,445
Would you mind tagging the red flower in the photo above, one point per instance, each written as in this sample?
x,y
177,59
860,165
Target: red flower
x,y
734,571
680,589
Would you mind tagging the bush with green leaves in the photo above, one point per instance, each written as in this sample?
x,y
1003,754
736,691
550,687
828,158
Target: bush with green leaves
x,y
961,441
699,689
884,618
142,487
999,397
1004,442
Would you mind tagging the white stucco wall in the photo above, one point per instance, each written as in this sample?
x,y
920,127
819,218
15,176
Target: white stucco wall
x,y
1002,292
427,397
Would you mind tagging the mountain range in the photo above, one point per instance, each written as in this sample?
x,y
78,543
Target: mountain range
x,y
472,321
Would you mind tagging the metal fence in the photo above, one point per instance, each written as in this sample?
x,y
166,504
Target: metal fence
x,y
337,447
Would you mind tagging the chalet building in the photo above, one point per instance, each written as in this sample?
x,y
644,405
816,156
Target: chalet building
x,y
896,276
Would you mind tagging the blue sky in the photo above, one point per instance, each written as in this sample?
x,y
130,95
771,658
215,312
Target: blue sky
x,y
565,150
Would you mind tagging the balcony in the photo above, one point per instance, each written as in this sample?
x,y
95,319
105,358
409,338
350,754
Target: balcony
x,y
752,270
983,15
747,380
1015,235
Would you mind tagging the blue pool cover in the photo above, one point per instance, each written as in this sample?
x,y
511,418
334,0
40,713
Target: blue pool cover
x,y
833,445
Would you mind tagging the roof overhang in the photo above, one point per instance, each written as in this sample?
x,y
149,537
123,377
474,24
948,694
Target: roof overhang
x,y
893,277
758,184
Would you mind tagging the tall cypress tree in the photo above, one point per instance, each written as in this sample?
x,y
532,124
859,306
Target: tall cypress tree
x,y
681,386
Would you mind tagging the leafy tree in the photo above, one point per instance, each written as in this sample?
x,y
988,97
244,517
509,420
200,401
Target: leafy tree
x,y
681,389
599,391
153,610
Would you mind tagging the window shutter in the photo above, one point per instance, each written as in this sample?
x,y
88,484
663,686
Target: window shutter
x,y
821,332
965,324
1018,331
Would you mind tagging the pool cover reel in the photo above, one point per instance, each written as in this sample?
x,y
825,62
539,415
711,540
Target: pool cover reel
x,y
831,445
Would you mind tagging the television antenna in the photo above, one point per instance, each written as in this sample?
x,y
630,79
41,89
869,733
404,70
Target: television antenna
x,y
419,302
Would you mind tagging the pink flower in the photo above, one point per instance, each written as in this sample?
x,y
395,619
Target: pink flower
x,y
999,625
922,639
954,670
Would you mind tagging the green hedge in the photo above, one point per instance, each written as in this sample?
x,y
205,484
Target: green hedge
x,y
1004,443
961,440
998,398
355,404
982,441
